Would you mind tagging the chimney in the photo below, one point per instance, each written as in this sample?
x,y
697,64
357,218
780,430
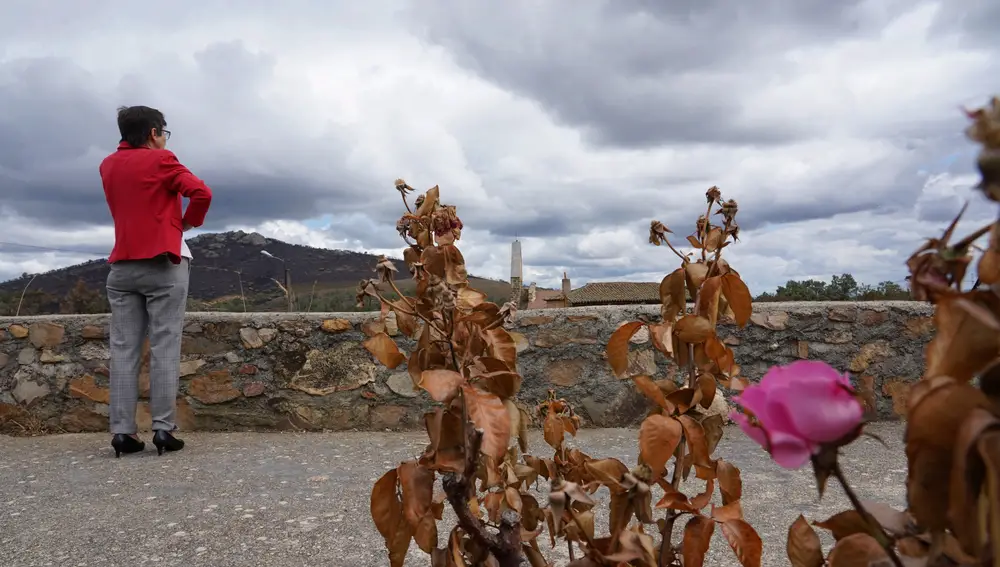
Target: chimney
x,y
516,286
566,287
515,260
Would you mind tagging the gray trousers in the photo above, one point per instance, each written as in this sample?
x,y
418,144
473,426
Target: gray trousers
x,y
147,297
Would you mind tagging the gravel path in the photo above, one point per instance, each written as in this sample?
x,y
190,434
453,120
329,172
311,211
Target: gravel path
x,y
289,499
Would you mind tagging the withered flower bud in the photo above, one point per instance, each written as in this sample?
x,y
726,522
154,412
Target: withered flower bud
x,y
385,269
418,201
729,209
985,129
507,312
438,293
402,187
403,226
658,233
702,225
366,288
734,231
713,194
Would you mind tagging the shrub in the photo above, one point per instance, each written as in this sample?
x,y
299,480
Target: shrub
x,y
465,360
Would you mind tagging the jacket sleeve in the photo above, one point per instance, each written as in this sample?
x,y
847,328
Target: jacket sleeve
x,y
182,181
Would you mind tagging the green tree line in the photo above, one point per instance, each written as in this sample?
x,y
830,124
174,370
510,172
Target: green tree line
x,y
840,288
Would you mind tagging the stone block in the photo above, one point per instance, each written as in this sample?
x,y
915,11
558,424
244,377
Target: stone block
x,y
534,320
251,338
869,317
93,332
213,388
344,366
18,331
565,373
44,334
843,314
777,321
336,325
86,388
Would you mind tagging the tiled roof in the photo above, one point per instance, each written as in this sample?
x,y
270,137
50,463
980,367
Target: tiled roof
x,y
610,293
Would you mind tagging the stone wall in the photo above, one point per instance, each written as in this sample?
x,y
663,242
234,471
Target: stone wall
x,y
309,371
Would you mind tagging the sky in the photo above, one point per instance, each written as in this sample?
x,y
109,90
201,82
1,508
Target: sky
x,y
836,126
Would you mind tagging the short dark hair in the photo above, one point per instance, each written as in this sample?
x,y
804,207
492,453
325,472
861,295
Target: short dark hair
x,y
135,122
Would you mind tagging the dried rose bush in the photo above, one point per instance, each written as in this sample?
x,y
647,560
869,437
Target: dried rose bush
x,y
466,361
953,425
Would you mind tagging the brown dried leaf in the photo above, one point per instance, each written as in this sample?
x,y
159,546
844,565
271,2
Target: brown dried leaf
x,y
454,265
744,541
804,548
684,398
933,423
693,329
554,430
653,392
417,484
446,451
713,426
858,550
634,546
488,413
730,483
892,520
608,472
708,300
706,384
467,299
658,439
617,349
694,275
697,537
426,535
843,524
441,384
731,511
739,298
385,350
696,442
966,339
386,509
662,337
969,474
673,295
502,347
714,239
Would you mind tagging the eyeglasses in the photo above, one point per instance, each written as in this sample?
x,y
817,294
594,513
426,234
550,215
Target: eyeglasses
x,y
165,133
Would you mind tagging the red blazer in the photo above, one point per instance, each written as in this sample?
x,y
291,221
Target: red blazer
x,y
143,188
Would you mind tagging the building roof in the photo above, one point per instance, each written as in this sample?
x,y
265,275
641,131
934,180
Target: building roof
x,y
611,293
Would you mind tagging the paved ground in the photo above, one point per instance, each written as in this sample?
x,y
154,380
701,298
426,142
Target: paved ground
x,y
284,499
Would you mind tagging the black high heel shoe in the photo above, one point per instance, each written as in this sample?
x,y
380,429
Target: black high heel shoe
x,y
164,441
126,444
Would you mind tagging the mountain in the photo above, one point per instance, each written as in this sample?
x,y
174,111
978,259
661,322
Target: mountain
x,y
327,277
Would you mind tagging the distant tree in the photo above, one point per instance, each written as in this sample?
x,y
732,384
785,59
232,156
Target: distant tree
x,y
82,299
840,288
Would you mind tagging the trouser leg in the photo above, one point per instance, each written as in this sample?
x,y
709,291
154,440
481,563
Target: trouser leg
x,y
166,300
129,322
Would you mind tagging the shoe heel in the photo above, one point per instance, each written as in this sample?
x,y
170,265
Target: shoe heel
x,y
159,449
118,454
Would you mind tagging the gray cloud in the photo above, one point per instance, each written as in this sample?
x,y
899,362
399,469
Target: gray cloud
x,y
537,120
636,74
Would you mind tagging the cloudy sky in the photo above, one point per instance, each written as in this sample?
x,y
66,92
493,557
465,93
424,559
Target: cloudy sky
x,y
837,126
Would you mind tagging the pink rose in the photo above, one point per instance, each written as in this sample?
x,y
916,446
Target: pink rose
x,y
799,407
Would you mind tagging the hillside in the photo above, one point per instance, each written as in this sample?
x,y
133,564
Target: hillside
x,y
215,283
